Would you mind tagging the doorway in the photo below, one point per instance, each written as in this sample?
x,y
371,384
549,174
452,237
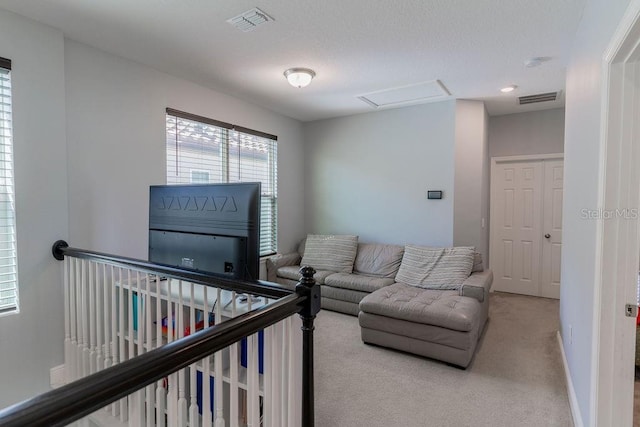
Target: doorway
x,y
619,242
526,224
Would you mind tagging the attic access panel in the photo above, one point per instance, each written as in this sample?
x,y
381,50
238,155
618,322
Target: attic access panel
x,y
411,94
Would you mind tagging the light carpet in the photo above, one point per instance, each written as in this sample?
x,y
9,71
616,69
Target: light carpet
x,y
515,379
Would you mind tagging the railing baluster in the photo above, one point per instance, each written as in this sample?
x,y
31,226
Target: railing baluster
x,y
182,397
286,330
207,416
105,312
217,360
274,368
122,306
253,384
67,316
148,337
92,319
234,416
267,399
85,322
172,385
78,305
193,380
70,364
115,353
98,316
138,411
161,391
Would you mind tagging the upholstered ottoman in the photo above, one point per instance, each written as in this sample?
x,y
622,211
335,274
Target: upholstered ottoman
x,y
434,323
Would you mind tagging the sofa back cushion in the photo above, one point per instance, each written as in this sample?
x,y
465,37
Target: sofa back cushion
x,y
424,266
378,260
478,266
330,252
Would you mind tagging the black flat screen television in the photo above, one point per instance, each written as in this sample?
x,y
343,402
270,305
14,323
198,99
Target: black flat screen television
x,y
210,228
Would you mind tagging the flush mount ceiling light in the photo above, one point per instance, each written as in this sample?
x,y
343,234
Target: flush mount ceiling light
x,y
299,77
536,61
508,89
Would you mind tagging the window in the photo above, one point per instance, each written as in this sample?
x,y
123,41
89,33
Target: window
x,y
8,253
199,177
202,150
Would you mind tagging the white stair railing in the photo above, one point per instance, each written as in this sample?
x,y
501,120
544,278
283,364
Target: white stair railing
x,y
114,314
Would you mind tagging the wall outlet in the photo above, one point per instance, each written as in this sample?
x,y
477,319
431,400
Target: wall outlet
x,y
483,222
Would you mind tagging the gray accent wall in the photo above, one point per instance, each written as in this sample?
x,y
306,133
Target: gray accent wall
x,y
31,340
368,175
536,132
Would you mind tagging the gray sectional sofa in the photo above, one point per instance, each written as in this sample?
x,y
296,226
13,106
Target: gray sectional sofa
x,y
375,267
443,324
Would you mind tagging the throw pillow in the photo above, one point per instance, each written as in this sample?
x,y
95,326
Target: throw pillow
x,y
422,266
330,252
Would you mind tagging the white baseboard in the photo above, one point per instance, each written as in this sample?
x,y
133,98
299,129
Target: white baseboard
x,y
56,376
573,399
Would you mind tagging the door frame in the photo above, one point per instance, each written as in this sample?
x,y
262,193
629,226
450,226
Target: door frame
x,y
509,159
618,240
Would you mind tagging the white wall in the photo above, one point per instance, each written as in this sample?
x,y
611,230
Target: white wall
x,y
369,174
31,341
582,162
471,177
116,139
535,132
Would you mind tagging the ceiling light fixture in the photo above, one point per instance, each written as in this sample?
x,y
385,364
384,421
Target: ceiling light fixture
x,y
508,89
299,77
536,61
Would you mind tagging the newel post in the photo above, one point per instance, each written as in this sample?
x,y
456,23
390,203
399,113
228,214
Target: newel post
x,y
307,287
58,249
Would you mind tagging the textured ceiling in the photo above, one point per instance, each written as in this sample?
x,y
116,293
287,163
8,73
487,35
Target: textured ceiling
x,y
474,47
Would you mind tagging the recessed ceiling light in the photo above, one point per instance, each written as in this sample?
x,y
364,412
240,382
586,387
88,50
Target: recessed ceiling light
x,y
508,89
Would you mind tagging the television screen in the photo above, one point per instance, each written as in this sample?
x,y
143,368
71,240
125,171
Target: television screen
x,y
211,228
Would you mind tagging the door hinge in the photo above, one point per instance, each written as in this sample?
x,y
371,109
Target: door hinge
x,y
631,310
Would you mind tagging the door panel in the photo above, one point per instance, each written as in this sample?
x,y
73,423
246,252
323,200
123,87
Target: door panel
x,y
552,226
516,221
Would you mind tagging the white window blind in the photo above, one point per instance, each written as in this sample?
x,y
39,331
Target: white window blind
x,y
201,150
8,253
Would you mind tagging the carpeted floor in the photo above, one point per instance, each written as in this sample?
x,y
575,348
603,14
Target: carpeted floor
x,y
515,379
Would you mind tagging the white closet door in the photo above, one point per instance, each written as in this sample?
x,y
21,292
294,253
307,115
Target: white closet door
x,y
552,226
516,226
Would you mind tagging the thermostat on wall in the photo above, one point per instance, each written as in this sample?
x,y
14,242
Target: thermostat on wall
x,y
431,194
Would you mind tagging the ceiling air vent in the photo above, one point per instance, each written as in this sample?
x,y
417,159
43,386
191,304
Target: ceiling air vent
x,y
249,20
541,97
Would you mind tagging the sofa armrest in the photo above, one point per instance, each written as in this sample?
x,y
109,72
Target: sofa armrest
x,y
478,285
280,260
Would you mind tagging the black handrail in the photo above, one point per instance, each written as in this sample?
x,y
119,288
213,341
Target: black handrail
x,y
258,287
82,397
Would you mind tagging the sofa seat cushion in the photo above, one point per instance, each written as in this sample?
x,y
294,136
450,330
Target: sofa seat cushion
x,y
292,272
357,282
427,306
341,294
429,333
